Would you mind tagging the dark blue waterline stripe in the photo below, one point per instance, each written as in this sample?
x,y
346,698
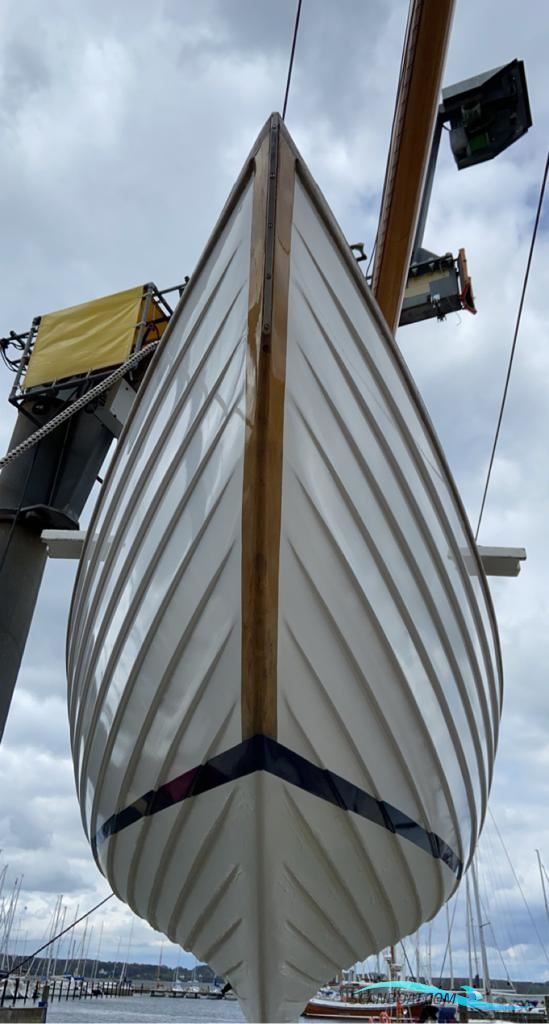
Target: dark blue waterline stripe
x,y
263,754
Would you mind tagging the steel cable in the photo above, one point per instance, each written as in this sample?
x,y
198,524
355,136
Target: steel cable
x,y
58,936
291,64
514,345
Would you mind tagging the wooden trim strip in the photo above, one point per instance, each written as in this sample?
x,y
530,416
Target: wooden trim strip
x,y
265,389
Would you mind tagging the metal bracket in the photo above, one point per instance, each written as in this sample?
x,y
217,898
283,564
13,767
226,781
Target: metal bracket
x,y
501,561
358,252
63,543
114,413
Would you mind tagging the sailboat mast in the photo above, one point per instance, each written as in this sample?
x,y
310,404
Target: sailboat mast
x,y
123,970
53,932
469,929
486,974
97,953
540,865
451,962
59,928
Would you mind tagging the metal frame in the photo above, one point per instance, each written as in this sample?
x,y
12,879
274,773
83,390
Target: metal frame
x,y
80,383
455,291
445,113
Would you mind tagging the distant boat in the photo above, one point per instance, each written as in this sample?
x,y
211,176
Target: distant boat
x,y
193,992
214,992
284,669
345,1010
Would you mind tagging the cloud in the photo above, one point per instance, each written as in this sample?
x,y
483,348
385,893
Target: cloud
x,y
122,129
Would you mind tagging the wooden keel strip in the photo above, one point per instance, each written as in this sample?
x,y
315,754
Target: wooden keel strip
x,y
265,388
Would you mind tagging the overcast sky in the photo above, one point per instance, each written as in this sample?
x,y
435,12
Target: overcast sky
x,y
122,129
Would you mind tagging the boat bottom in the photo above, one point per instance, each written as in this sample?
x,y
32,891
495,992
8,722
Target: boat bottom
x,y
274,887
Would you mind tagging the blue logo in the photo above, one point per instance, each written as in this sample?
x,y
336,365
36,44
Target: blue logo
x,y
440,995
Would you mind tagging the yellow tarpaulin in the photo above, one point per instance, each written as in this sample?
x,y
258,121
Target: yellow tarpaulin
x,y
87,337
419,284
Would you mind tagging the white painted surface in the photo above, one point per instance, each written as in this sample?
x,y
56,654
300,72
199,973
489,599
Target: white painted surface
x,y
387,666
156,618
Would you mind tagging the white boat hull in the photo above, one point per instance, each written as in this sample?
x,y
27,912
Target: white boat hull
x,y
284,672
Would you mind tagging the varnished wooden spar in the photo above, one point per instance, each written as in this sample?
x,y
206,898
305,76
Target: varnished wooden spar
x,y
265,387
416,104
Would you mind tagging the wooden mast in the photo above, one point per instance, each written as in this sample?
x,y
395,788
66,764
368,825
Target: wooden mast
x,y
415,113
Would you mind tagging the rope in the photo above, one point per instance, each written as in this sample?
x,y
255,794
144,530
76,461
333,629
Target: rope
x,y
513,346
291,64
498,950
76,406
515,876
59,935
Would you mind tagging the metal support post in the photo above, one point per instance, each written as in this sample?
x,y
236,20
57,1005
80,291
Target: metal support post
x,y
428,186
46,486
481,925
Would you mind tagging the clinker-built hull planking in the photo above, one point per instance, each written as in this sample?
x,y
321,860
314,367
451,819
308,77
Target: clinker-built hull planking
x,y
284,672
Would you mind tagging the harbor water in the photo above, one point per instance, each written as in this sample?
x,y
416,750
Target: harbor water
x,y
144,1010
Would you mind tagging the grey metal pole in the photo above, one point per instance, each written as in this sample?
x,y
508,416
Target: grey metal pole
x,y
22,558
45,486
428,186
22,563
487,984
451,962
469,930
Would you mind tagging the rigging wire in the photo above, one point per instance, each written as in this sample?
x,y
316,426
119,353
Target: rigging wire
x,y
515,876
450,930
58,936
497,948
403,948
514,344
490,903
494,885
291,64
501,886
